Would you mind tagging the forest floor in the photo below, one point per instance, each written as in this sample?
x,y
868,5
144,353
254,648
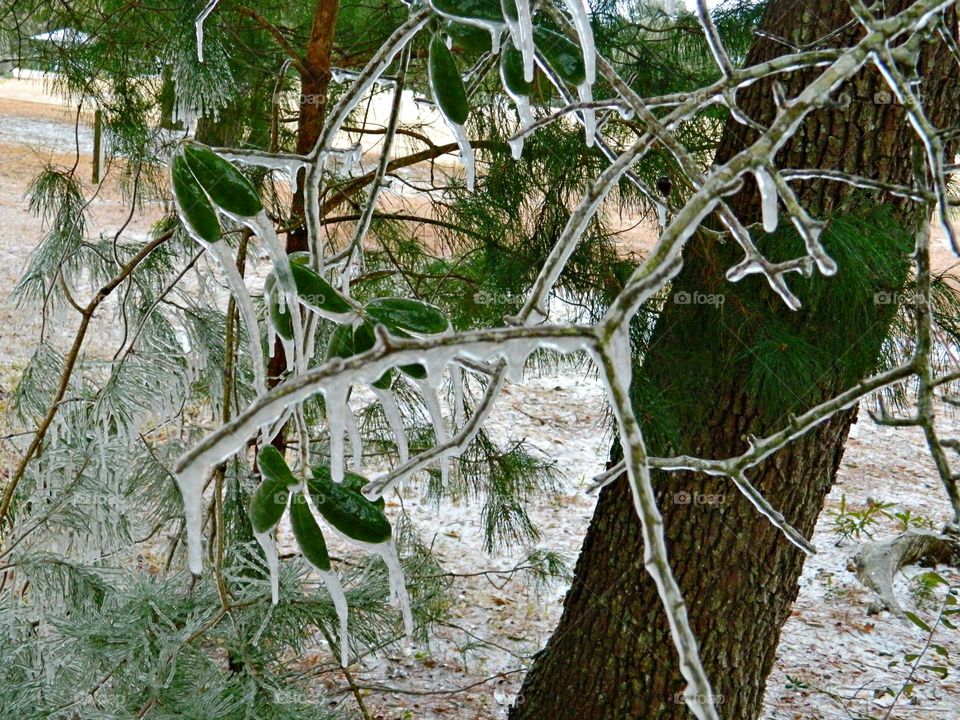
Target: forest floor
x,y
834,659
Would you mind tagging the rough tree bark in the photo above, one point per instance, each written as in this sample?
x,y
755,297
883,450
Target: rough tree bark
x,y
611,655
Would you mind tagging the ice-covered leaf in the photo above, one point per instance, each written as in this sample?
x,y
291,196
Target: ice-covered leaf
x,y
409,315
347,341
347,510
468,37
280,317
267,505
195,209
563,56
224,184
308,534
511,72
351,481
315,292
270,498
446,83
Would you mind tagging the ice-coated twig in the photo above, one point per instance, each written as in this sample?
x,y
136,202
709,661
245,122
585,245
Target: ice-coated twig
x,y
713,38
928,135
762,448
366,217
697,694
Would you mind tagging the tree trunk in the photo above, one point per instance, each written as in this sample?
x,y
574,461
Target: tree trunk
x,y
611,655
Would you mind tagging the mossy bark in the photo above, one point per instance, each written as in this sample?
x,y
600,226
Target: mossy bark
x,y
611,656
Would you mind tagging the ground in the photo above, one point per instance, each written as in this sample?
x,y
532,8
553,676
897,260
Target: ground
x,y
832,653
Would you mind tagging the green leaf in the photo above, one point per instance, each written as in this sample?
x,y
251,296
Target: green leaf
x,y
196,211
270,498
488,10
351,481
938,669
346,342
407,315
561,54
267,505
281,320
915,619
347,510
446,83
511,71
317,293
274,467
468,37
341,342
225,185
307,532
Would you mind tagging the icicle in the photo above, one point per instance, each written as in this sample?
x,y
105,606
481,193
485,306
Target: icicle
x,y
466,151
581,20
391,412
228,265
199,26
356,444
456,383
398,586
332,581
432,402
269,546
588,115
521,31
768,198
522,103
335,395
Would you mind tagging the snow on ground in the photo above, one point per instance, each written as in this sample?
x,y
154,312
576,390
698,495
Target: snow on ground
x,y
829,642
